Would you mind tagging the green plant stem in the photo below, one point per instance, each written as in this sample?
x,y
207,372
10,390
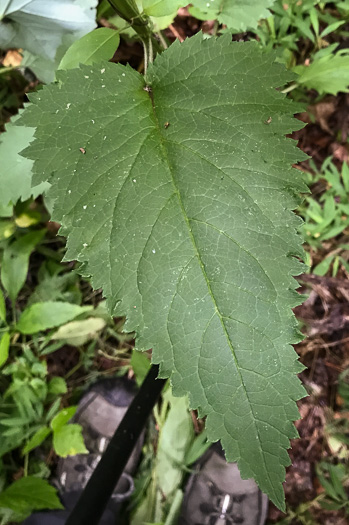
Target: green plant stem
x,y
215,28
157,418
76,367
26,464
148,53
123,28
128,10
4,70
173,513
162,40
290,88
14,312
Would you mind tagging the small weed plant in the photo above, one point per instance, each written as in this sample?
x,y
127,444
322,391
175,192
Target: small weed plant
x,y
33,407
326,213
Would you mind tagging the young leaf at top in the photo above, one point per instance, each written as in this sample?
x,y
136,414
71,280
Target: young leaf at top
x,y
235,14
176,191
162,7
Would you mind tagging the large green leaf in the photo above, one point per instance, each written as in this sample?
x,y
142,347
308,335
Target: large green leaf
x,y
175,192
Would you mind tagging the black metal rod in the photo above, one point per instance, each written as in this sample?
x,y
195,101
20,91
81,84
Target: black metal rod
x,y
95,497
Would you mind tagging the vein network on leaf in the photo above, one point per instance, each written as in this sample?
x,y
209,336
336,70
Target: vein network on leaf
x,y
188,227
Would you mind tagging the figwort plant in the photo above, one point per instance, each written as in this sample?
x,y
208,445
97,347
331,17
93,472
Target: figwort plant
x,y
175,191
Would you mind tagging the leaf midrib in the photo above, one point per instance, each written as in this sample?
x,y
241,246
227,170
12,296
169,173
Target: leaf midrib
x,y
164,151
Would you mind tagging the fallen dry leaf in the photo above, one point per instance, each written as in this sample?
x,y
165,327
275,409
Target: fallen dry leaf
x,y
13,58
